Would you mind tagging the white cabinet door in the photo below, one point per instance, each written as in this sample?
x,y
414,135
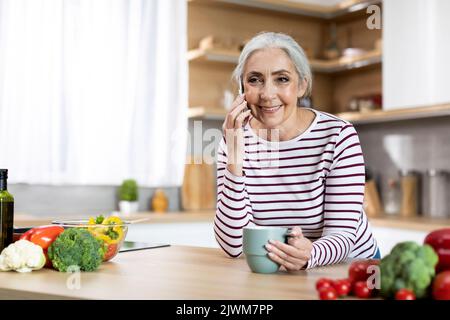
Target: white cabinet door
x,y
387,238
416,47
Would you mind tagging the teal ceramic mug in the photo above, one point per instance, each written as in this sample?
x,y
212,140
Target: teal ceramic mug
x,y
254,247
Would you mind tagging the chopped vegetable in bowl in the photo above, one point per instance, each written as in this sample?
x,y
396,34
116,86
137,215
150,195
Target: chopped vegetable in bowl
x,y
111,231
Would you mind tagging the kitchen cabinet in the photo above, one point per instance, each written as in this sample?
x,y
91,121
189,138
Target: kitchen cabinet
x,y
416,67
230,23
340,9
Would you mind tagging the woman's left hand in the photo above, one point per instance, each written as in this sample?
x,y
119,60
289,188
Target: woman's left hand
x,y
294,255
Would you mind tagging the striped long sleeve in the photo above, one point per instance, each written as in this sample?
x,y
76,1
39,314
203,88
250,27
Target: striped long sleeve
x,y
344,193
314,181
233,211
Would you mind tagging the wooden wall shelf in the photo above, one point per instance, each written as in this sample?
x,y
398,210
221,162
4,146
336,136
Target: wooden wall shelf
x,y
216,55
380,116
306,9
320,66
346,63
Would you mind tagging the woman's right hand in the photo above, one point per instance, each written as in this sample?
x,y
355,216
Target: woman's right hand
x,y
234,134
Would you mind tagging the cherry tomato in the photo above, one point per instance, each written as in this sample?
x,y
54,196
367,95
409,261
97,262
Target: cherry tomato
x,y
342,287
441,286
405,294
361,290
328,293
324,283
358,270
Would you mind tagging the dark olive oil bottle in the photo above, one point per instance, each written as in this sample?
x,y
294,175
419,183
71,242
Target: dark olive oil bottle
x,y
6,211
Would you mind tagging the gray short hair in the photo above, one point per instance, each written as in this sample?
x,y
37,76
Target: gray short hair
x,y
276,40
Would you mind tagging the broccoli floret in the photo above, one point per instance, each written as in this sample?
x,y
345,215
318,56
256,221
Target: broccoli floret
x,y
76,247
427,253
408,266
403,247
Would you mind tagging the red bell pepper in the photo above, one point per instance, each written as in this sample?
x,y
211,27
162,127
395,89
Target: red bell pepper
x,y
43,236
440,241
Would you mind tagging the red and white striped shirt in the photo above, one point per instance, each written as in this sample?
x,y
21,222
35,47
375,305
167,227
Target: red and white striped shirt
x,y
314,181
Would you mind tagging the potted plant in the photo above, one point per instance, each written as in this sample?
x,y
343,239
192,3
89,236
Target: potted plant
x,y
128,195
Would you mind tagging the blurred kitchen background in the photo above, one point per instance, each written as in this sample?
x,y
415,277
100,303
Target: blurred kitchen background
x,y
96,92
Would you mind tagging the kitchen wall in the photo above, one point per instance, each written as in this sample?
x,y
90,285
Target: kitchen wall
x,y
65,201
413,144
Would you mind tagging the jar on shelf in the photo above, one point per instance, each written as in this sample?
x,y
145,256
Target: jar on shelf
x,y
435,194
392,197
410,193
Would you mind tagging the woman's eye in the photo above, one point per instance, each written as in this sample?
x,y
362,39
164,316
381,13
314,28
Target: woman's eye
x,y
253,80
283,79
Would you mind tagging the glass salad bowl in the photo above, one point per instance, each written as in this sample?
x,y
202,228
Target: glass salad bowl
x,y
111,230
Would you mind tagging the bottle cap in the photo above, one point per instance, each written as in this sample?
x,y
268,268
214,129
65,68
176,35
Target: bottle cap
x,y
3,173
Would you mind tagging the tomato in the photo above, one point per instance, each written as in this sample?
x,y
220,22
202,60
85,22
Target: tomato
x,y
44,236
328,293
111,251
441,286
358,270
405,294
324,283
361,290
342,287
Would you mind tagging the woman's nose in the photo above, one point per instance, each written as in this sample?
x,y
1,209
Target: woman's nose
x,y
268,91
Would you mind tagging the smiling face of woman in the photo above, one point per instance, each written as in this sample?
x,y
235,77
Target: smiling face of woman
x,y
271,87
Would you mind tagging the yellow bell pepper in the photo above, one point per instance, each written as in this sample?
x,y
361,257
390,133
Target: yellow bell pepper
x,y
110,230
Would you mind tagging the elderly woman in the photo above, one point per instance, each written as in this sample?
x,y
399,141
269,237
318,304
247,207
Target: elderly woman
x,y
284,165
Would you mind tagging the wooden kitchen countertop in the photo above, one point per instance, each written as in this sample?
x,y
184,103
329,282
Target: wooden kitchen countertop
x,y
175,272
24,220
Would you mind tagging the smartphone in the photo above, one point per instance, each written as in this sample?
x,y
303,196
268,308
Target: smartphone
x,y
241,91
241,86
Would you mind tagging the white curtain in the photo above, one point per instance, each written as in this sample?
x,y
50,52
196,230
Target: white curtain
x,y
93,92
